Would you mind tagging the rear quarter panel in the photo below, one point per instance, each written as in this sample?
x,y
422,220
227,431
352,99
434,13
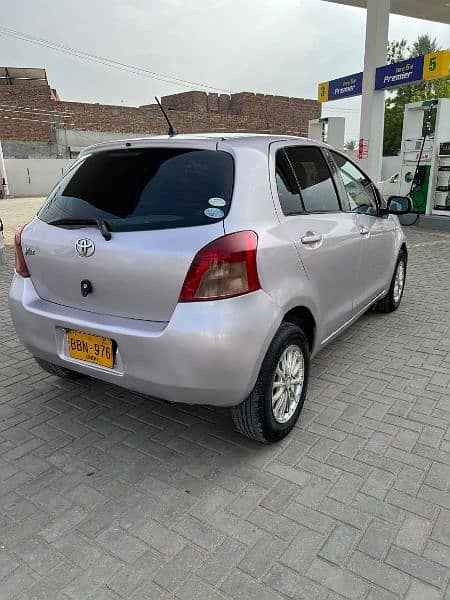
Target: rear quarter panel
x,y
280,270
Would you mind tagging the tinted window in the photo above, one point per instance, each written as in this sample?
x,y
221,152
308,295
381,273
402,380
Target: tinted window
x,y
314,178
358,188
145,188
287,186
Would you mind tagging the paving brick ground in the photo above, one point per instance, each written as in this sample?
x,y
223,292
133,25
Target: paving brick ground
x,y
15,212
107,494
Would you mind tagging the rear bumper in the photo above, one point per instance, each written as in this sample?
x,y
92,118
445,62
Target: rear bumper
x,y
209,352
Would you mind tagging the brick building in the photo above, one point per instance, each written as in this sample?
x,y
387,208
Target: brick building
x,y
31,111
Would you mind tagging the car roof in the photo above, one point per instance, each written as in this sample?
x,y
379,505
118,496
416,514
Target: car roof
x,y
207,140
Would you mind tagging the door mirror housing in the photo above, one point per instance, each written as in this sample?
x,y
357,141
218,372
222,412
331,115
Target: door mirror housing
x,y
399,205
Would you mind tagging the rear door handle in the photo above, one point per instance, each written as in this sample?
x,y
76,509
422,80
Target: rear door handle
x,y
364,231
311,238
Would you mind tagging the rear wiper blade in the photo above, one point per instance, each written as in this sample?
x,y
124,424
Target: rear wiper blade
x,y
102,225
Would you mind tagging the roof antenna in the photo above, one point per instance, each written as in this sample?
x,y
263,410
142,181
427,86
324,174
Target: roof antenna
x,y
172,130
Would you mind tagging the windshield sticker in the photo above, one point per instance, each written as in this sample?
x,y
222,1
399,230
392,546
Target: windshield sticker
x,y
214,213
217,202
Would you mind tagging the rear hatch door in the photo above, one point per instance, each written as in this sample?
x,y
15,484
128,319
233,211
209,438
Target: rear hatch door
x,y
161,204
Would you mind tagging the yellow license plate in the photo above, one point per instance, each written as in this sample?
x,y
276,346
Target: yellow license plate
x,y
90,348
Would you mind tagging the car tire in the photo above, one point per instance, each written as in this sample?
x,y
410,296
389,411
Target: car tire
x,y
394,296
260,416
61,372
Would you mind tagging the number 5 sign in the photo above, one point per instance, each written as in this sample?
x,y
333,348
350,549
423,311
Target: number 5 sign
x,y
436,64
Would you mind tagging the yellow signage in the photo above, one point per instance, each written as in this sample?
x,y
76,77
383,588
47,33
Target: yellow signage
x,y
345,87
436,64
322,95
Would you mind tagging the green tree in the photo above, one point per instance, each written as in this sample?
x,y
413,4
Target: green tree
x,y
350,145
396,51
426,90
423,45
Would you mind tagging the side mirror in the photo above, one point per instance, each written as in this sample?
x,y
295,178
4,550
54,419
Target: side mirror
x,y
399,205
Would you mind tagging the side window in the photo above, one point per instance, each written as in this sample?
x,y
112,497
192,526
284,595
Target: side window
x,y
358,188
288,193
314,179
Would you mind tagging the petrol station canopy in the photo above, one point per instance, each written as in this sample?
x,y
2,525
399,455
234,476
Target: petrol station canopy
x,y
377,37
431,10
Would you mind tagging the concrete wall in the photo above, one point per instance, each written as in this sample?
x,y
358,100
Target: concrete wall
x,y
17,149
65,139
34,176
74,138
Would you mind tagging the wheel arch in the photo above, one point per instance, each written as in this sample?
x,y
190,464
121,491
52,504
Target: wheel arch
x,y
404,248
303,318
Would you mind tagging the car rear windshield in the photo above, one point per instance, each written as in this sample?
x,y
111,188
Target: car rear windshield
x,y
145,188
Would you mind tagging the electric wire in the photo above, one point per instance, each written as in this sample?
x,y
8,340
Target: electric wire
x,y
133,69
6,31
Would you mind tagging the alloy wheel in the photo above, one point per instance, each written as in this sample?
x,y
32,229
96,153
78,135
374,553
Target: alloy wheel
x,y
287,384
399,282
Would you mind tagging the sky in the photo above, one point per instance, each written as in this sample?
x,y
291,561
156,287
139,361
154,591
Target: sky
x,y
283,47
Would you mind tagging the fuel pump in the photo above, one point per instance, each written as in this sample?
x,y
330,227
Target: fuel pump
x,y
442,200
425,155
419,184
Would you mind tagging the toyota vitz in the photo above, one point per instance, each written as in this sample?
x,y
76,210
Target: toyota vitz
x,y
206,269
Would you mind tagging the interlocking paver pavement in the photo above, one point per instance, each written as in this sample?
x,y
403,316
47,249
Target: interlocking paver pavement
x,y
15,212
108,494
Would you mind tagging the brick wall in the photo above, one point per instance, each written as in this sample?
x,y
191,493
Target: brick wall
x,y
191,112
277,114
16,123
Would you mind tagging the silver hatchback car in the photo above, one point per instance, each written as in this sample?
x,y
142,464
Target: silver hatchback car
x,y
206,269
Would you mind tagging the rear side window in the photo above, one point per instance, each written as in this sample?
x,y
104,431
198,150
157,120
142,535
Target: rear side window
x,y
314,178
145,188
287,187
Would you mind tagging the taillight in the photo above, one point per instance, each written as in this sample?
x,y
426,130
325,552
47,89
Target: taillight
x,y
224,268
21,265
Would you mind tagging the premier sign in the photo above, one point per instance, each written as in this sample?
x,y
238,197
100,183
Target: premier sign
x,y
345,87
421,68
408,71
434,65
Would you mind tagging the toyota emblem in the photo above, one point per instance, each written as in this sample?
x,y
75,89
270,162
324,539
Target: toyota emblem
x,y
85,247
